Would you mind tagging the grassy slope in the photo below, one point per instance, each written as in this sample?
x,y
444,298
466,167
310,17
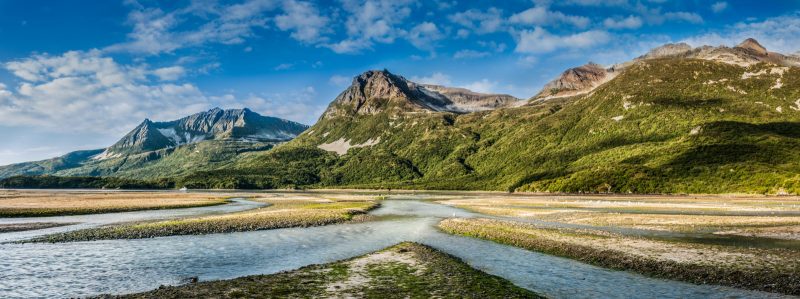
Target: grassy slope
x,y
73,159
173,162
742,144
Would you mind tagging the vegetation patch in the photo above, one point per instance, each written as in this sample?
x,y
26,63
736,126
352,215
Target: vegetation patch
x,y
756,216
40,204
406,270
18,227
283,213
771,270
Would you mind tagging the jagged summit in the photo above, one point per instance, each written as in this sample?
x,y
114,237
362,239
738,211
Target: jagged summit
x,y
576,81
376,91
145,137
214,124
469,100
754,46
584,79
667,50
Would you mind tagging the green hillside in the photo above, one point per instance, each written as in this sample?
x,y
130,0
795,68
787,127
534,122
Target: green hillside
x,y
662,126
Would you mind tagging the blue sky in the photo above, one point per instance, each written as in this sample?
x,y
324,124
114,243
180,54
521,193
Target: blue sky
x,y
79,74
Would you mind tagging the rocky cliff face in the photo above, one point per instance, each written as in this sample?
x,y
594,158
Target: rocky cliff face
x,y
468,101
576,81
215,124
145,137
668,50
584,79
746,53
377,91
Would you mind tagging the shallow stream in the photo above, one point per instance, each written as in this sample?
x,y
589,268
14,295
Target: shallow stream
x,y
125,266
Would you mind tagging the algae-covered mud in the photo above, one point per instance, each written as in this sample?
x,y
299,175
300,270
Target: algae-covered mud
x,y
281,212
117,265
406,270
738,241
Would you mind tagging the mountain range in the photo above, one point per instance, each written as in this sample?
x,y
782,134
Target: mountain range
x,y
677,119
158,149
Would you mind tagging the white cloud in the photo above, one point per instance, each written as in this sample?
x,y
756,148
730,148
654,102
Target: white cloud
x,y
527,61
156,31
74,63
541,16
718,7
493,45
86,91
340,81
467,54
779,34
170,73
424,36
684,16
480,22
482,86
297,105
371,21
631,22
303,20
435,79
541,41
283,66
595,2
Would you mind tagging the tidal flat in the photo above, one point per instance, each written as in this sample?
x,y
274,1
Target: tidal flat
x,y
248,246
281,212
769,217
23,203
741,242
406,270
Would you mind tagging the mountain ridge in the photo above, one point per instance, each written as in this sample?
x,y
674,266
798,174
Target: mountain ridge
x,y
211,133
675,120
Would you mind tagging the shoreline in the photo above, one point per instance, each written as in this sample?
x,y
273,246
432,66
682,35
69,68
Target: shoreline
x,y
424,191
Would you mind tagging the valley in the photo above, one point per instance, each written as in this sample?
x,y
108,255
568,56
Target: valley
x,y
677,120
672,175
584,149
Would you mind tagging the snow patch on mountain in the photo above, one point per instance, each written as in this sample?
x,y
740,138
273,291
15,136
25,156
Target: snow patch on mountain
x,y
106,154
341,145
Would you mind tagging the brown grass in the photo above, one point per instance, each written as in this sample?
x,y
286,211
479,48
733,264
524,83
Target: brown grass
x,y
285,211
762,215
39,203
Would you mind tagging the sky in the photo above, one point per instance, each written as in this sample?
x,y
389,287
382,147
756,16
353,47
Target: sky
x,y
80,74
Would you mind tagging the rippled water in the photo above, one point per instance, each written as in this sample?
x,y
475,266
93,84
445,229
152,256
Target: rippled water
x,y
94,220
124,266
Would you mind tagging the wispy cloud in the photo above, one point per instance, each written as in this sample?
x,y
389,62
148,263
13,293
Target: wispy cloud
x,y
435,79
541,41
542,15
780,34
718,7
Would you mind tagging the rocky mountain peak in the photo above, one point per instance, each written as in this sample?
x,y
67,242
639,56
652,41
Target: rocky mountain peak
x,y
145,137
214,124
382,84
753,46
667,50
576,81
376,91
